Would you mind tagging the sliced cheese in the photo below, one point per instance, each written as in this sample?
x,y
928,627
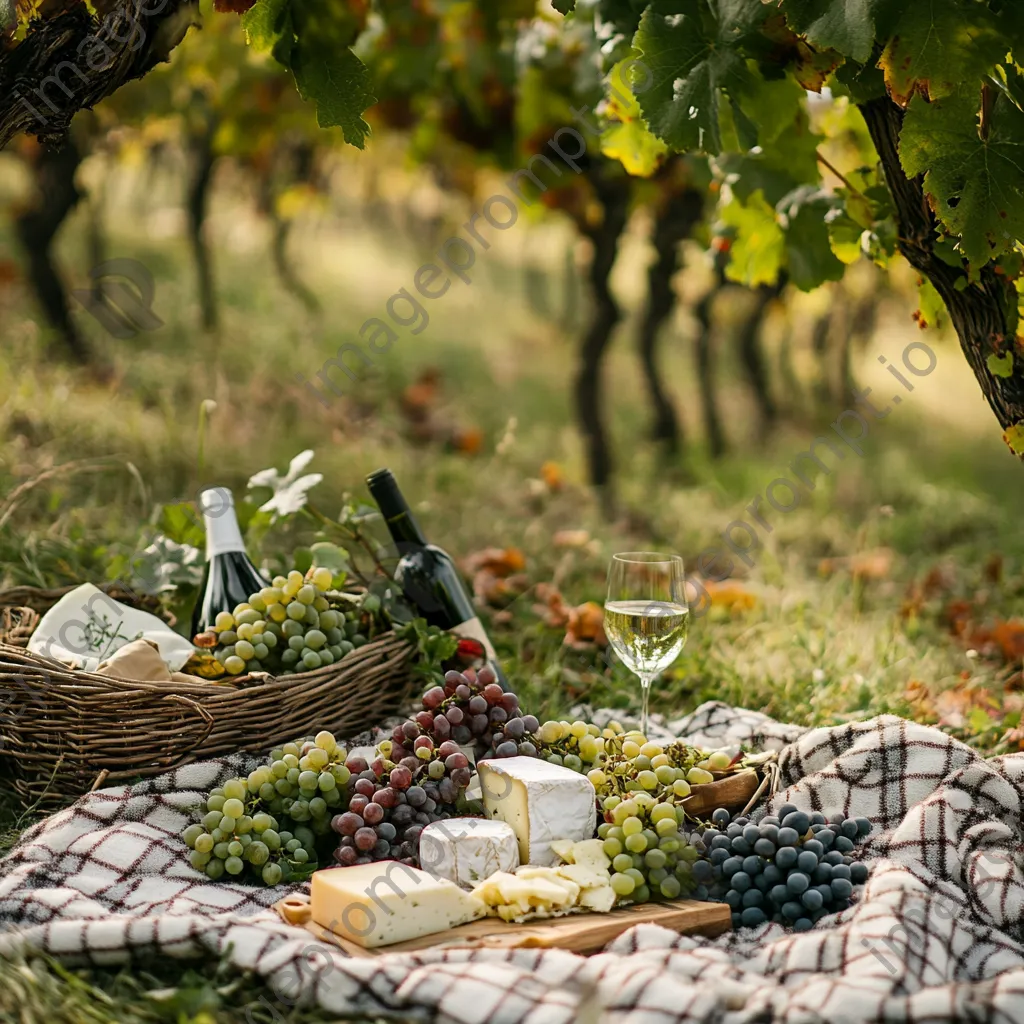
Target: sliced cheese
x,y
542,802
600,898
385,902
591,851
468,850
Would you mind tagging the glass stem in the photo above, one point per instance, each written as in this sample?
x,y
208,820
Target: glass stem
x,y
645,694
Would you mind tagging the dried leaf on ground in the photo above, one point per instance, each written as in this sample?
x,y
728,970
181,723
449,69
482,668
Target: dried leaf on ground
x,y
497,561
583,625
867,565
586,626
958,707
731,595
571,538
552,475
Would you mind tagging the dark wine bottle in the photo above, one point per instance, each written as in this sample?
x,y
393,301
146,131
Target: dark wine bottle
x,y
426,573
229,577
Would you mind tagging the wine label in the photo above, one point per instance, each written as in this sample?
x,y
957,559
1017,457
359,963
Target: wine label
x,y
222,532
473,629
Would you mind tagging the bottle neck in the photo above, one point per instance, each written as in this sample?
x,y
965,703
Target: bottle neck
x,y
222,531
401,523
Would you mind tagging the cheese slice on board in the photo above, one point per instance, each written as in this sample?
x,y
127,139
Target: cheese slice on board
x,y
542,802
385,902
468,850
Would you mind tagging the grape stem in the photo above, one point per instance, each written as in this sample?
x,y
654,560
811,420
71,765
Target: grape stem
x,y
352,534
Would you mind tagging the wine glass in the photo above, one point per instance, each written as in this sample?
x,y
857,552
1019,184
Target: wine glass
x,y
646,614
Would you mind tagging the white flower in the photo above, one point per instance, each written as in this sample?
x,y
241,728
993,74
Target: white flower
x,y
289,490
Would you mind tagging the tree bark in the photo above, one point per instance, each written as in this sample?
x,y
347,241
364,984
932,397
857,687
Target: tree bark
x,y
614,196
285,271
674,223
979,311
705,365
37,226
751,355
72,61
203,160
570,290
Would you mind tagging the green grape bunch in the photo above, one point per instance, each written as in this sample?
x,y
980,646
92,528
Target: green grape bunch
x,y
652,857
577,745
271,820
290,627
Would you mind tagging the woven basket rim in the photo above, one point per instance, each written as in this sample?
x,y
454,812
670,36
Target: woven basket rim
x,y
11,655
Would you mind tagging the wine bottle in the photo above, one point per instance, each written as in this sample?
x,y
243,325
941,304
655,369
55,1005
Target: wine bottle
x,y
426,573
229,577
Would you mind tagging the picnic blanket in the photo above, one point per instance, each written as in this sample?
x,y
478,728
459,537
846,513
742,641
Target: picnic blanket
x,y
936,934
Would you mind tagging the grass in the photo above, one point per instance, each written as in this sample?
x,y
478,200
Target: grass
x,y
936,488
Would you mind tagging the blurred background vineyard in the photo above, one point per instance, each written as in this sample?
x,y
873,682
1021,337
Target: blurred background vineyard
x,y
895,586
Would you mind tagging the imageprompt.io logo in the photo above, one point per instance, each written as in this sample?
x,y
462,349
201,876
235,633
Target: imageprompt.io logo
x,y
121,298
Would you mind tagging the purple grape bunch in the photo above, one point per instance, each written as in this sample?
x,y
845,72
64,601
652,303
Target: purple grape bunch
x,y
792,868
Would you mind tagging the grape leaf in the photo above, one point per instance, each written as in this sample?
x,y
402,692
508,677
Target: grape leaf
x,y
809,256
938,44
564,6
974,184
264,23
340,85
844,25
690,49
931,310
626,139
759,245
1000,366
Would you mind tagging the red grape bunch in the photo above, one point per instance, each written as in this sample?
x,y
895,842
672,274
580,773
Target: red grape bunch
x,y
389,804
469,709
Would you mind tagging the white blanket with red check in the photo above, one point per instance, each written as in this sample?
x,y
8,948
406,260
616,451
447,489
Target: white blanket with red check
x,y
937,933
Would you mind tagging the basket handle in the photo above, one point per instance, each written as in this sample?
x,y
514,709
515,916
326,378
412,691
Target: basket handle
x,y
199,710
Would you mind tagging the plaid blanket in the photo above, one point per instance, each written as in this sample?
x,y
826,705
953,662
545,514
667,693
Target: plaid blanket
x,y
936,934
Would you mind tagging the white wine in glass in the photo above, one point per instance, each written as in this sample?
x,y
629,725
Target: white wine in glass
x,y
646,615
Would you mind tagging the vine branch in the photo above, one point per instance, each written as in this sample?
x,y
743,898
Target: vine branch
x,y
73,60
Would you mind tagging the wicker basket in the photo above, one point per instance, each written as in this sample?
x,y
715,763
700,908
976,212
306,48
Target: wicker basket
x,y
64,732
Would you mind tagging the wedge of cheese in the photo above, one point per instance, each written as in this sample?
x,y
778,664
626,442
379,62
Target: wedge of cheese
x,y
468,850
385,902
542,803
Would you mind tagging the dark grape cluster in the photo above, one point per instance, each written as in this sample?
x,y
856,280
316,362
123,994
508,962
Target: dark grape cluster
x,y
470,708
389,803
792,868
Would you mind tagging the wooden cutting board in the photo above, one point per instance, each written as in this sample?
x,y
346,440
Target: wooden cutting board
x,y
578,933
731,791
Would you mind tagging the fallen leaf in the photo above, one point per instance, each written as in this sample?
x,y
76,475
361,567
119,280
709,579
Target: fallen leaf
x,y
917,693
468,440
498,561
571,538
957,615
552,607
552,475
994,568
954,707
419,398
730,595
586,625
1009,636
496,591
868,565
